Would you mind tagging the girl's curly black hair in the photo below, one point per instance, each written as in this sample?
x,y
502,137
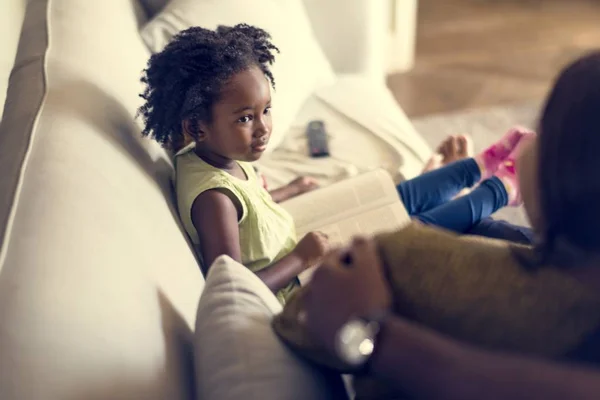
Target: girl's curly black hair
x,y
184,80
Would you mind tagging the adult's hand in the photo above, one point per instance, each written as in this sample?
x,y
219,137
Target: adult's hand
x,y
349,283
421,362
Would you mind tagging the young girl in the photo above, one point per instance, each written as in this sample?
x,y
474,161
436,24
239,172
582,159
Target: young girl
x,y
213,87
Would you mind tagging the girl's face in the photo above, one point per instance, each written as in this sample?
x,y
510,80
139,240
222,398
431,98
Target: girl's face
x,y
527,166
241,118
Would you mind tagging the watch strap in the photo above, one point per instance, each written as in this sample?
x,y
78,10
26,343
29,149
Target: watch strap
x,y
377,319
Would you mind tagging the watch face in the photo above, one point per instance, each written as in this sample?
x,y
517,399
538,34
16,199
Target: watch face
x,y
355,342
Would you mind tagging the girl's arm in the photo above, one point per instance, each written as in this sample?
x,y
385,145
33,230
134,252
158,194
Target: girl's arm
x,y
295,188
215,217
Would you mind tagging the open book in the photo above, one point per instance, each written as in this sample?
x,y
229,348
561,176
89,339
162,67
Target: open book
x,y
363,205
366,204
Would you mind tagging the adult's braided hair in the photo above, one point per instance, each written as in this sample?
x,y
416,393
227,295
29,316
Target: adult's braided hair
x,y
184,80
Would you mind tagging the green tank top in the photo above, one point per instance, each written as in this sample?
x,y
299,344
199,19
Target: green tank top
x,y
267,231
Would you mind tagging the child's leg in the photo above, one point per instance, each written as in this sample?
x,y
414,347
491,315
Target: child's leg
x,y
499,229
502,189
460,214
436,187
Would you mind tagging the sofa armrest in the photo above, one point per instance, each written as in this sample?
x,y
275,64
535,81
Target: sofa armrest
x,y
353,34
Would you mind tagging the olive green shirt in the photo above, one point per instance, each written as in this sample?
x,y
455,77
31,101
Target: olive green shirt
x,y
267,231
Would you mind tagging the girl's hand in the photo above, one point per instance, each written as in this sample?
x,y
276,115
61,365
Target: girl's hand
x,y
312,248
302,185
348,284
295,188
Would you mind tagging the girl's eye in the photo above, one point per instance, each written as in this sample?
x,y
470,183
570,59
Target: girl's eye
x,y
267,110
245,118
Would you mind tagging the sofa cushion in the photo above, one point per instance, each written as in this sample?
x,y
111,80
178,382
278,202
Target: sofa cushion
x,y
366,128
299,69
98,285
237,354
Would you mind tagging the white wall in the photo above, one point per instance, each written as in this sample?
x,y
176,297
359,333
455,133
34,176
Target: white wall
x,y
366,36
11,19
402,35
352,33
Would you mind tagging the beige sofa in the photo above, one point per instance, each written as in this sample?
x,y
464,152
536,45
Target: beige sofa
x,y
98,283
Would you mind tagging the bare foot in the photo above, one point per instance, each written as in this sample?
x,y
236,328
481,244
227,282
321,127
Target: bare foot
x,y
453,148
434,163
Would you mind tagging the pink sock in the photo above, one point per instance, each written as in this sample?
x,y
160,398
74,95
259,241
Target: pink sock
x,y
507,172
491,158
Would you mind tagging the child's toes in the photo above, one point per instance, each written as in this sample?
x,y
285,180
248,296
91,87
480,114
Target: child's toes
x,y
444,146
465,146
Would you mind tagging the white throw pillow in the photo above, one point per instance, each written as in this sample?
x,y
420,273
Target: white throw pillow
x,y
237,354
299,69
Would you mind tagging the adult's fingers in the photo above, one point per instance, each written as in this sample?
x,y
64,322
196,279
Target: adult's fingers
x,y
333,259
363,253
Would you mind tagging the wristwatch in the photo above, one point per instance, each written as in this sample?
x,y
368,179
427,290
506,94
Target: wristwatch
x,y
356,340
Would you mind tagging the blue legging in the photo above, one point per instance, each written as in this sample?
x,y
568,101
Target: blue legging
x,y
430,197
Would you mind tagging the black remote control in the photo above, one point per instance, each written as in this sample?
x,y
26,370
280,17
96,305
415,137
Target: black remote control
x,y
317,139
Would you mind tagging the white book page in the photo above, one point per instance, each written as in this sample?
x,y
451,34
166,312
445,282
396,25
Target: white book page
x,y
324,207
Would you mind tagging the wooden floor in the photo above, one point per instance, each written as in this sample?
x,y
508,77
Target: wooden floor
x,y
478,53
